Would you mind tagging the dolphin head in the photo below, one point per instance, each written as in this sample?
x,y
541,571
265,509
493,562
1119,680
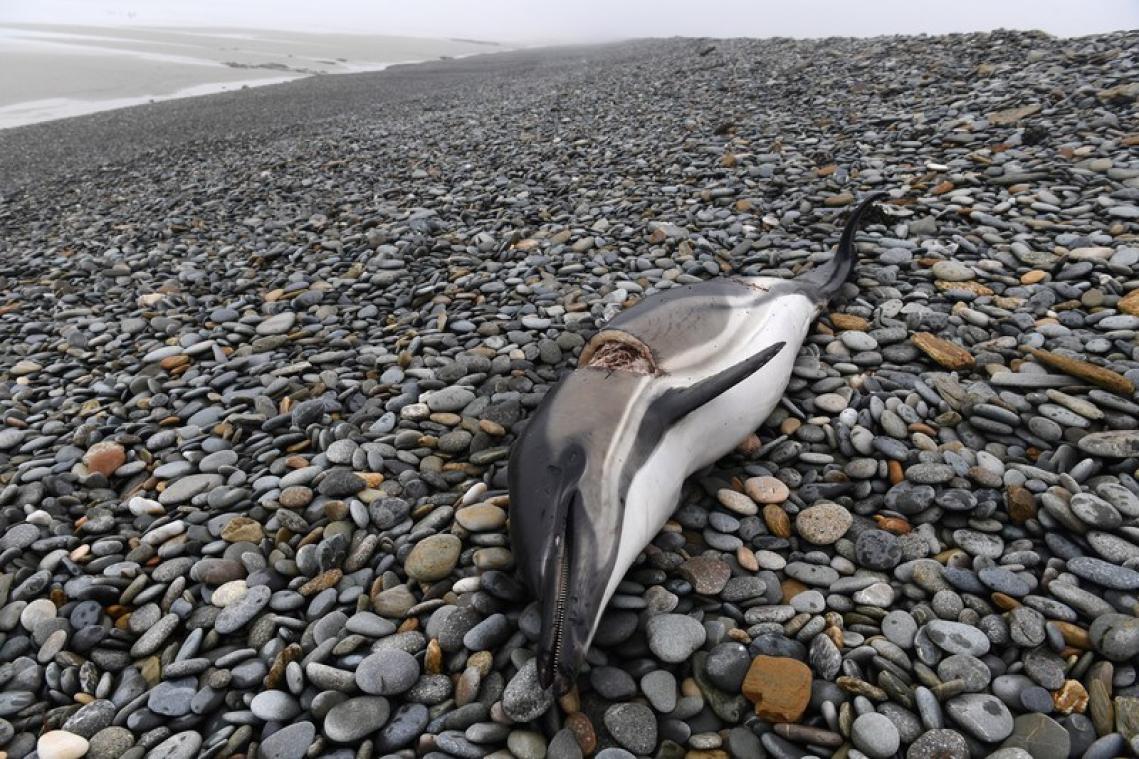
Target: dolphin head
x,y
565,514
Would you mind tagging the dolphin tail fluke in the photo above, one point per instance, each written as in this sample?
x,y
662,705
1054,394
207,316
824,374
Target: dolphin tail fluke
x,y
826,280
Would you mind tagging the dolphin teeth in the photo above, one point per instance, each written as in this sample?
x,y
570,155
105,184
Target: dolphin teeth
x,y
560,610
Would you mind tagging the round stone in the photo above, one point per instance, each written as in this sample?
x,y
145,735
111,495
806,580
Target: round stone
x,y
290,742
36,613
104,458
875,735
1116,636
957,638
351,720
766,490
633,725
526,744
274,705
674,637
110,743
939,744
659,687
983,716
433,558
60,744
735,502
524,698
481,517
387,672
877,549
823,524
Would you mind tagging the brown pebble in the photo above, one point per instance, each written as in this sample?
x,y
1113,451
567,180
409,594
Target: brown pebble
x,y
780,688
1129,303
789,425
1004,602
433,658
494,429
950,355
583,731
707,576
843,321
777,521
1097,375
242,530
571,701
322,581
749,446
766,490
1021,504
1074,635
896,525
105,457
1071,697
791,588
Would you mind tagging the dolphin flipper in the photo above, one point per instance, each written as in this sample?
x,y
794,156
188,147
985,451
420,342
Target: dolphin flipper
x,y
679,402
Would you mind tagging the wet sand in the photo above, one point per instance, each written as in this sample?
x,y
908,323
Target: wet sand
x,y
62,71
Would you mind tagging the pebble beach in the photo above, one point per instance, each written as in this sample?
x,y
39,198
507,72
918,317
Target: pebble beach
x,y
263,356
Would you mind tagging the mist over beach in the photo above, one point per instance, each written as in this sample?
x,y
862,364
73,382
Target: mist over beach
x,y
611,379
70,57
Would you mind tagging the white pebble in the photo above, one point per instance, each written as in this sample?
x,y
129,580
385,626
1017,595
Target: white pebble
x,y
60,744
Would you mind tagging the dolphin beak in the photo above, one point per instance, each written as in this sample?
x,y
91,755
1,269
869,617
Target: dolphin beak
x,y
560,648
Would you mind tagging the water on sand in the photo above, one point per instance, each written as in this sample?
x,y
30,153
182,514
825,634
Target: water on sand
x,y
59,71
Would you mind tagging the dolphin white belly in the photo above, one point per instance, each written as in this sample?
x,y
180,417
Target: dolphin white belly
x,y
703,438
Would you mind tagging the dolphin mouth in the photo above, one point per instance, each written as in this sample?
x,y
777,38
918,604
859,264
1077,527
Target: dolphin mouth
x,y
554,667
558,650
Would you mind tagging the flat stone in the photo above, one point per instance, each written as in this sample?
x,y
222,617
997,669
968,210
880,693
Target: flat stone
x,y
524,698
957,638
707,575
674,637
766,490
1040,735
277,324
290,742
182,490
183,745
779,687
633,725
875,735
241,612
60,744
1116,636
981,715
105,457
355,718
387,672
433,558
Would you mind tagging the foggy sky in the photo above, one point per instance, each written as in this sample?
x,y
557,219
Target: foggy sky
x,y
595,20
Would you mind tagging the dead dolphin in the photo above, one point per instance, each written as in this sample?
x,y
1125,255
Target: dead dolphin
x,y
665,389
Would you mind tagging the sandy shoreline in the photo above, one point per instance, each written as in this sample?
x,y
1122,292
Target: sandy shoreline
x,y
64,71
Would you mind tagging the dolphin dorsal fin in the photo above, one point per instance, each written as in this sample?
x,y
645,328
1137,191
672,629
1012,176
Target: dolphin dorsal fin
x,y
681,401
